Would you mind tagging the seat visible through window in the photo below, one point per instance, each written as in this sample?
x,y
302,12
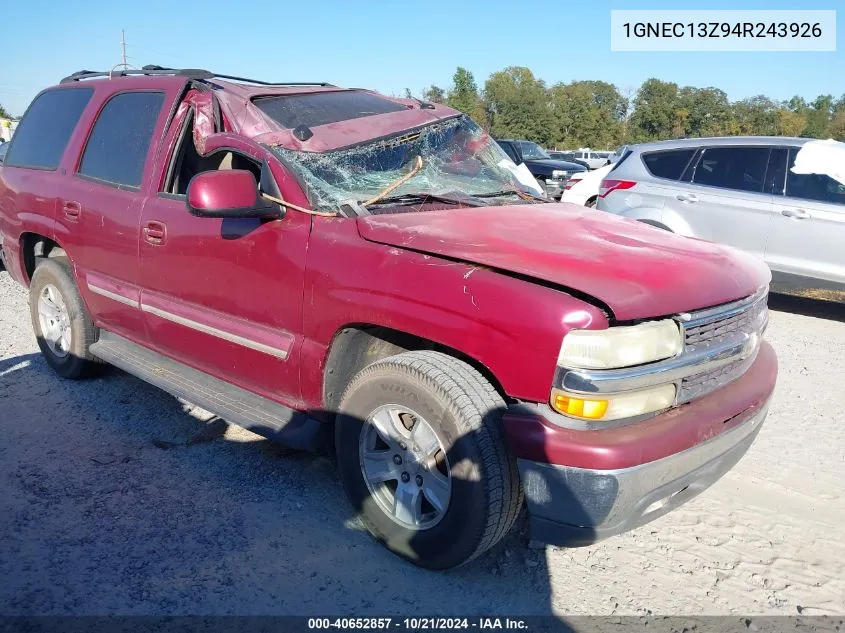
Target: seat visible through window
x,y
189,163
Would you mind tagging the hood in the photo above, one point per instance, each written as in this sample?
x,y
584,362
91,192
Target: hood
x,y
636,270
547,165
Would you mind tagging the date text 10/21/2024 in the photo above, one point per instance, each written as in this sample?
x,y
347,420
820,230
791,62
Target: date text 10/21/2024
x,y
417,624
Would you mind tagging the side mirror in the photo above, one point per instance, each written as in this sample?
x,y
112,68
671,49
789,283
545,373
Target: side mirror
x,y
229,193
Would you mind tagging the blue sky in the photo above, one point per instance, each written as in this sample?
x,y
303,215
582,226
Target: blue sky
x,y
386,45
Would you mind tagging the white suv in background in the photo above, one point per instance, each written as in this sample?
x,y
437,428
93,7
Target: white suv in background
x,y
781,199
592,158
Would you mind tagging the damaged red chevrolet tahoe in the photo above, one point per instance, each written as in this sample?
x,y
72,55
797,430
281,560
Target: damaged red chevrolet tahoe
x,y
324,265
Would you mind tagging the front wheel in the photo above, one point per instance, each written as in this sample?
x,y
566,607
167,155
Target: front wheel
x,y
423,458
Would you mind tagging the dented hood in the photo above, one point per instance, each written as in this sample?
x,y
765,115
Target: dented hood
x,y
634,269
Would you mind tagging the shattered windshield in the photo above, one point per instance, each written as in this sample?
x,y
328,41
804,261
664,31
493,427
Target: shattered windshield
x,y
458,160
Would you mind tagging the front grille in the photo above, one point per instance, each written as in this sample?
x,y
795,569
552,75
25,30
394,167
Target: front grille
x,y
693,387
708,328
715,328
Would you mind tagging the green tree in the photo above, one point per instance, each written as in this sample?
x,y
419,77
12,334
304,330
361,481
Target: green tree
x,y
818,121
655,111
789,123
755,116
823,103
837,126
796,104
464,94
518,105
435,94
587,113
705,111
3,113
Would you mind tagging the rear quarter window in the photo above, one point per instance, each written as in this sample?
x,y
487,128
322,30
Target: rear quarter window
x,y
45,130
668,163
622,159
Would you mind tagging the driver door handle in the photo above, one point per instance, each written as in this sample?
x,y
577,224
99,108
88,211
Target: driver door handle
x,y
798,214
155,232
687,197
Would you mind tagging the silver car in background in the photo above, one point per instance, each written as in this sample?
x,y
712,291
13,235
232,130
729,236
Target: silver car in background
x,y
742,191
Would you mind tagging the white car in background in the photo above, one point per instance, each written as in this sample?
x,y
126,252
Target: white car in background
x,y
583,188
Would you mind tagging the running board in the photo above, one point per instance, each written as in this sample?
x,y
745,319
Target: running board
x,y
234,404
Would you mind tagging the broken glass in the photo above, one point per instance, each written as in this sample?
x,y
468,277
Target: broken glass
x,y
459,160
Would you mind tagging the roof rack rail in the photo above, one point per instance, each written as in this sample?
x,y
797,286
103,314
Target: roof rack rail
x,y
197,74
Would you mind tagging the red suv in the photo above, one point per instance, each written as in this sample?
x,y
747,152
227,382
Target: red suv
x,y
320,264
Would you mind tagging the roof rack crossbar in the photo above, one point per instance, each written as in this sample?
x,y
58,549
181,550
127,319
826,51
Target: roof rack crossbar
x,y
192,73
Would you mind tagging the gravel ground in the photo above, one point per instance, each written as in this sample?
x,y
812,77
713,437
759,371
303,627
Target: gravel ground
x,y
117,498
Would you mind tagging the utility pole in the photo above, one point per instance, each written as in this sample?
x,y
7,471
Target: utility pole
x,y
123,46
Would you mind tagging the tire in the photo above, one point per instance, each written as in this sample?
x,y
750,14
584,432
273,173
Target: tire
x,y
591,203
464,412
54,277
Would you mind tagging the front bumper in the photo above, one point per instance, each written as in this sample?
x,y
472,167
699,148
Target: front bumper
x,y
554,188
579,506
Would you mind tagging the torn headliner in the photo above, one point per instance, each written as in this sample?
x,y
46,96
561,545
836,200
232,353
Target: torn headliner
x,y
248,120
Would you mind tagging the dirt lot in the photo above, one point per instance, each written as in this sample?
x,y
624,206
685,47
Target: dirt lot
x,y
117,498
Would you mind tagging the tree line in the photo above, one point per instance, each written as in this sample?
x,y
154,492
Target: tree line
x,y
515,104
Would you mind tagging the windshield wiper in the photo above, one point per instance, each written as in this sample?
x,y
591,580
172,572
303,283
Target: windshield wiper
x,y
411,198
509,192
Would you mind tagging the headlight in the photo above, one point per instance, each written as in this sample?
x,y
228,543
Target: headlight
x,y
607,407
621,346
557,174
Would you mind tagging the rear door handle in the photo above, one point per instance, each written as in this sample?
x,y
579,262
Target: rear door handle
x,y
687,197
71,209
155,232
798,214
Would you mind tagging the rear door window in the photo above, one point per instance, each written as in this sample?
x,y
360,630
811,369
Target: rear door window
x,y
668,163
117,148
776,173
45,130
815,187
738,168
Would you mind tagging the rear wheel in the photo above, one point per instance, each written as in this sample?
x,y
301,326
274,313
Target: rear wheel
x,y
62,326
591,203
423,458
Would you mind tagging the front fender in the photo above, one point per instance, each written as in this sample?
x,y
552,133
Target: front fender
x,y
512,326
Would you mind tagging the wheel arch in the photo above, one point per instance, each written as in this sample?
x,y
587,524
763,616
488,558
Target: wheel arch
x,y
357,345
664,218
35,246
656,224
